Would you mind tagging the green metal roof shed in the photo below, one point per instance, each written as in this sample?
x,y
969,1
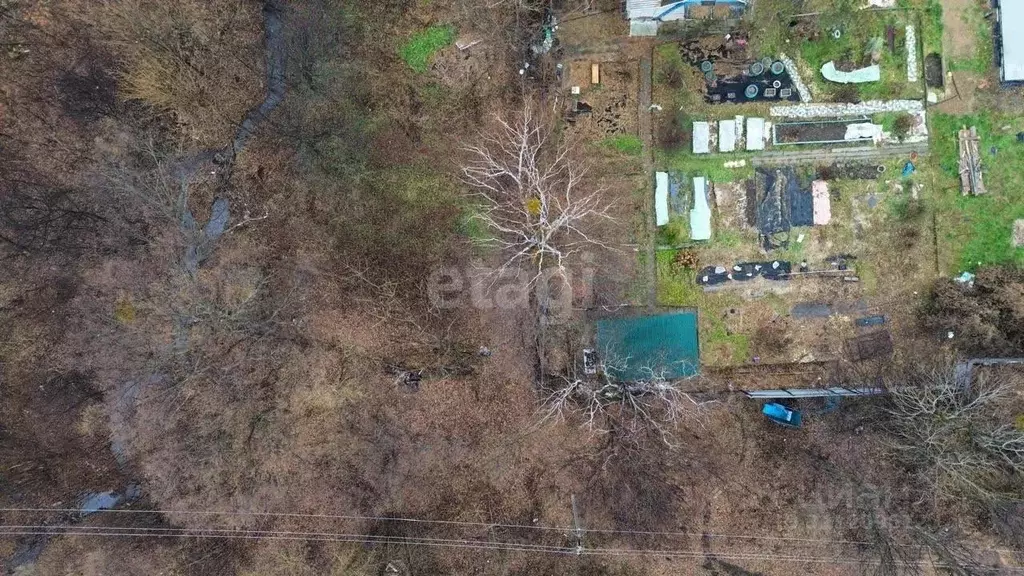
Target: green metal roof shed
x,y
664,342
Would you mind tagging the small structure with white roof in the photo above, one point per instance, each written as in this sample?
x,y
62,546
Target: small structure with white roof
x,y
661,198
755,134
700,215
727,136
822,202
701,137
1011,41
645,15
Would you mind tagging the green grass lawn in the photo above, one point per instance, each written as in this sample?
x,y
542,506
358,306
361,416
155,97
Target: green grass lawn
x,y
678,287
930,20
627,144
710,165
858,29
977,230
421,47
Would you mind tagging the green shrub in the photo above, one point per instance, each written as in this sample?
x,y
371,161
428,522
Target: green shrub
x,y
902,125
420,49
625,144
905,208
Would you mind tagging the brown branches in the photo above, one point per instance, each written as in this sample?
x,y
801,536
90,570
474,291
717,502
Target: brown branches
x,y
532,195
652,402
944,427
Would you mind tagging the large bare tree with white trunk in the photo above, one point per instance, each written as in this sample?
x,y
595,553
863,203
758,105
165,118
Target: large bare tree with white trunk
x,y
534,199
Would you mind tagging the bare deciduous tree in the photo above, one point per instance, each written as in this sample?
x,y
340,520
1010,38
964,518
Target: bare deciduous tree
x,y
534,200
944,427
652,402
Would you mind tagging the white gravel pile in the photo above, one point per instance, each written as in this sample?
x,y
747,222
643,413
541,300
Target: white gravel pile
x,y
912,71
821,110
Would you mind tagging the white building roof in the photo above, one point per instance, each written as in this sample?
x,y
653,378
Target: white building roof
x,y
700,215
636,9
661,197
1011,21
726,135
701,138
755,134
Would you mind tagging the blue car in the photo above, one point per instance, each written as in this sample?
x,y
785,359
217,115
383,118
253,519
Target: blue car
x,y
781,415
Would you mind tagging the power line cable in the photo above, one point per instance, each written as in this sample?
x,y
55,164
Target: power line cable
x,y
489,525
467,524
110,531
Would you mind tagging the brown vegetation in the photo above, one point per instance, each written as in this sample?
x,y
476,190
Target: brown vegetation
x,y
269,368
986,319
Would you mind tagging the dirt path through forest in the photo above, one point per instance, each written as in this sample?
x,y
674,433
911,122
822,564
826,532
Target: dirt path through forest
x,y
644,116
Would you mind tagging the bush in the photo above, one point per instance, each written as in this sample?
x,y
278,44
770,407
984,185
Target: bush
x,y
902,126
906,208
420,49
675,133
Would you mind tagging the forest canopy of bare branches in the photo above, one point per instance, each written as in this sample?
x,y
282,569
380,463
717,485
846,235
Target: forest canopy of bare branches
x,y
301,287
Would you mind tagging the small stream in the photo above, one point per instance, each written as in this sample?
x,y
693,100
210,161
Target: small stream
x,y
200,247
202,242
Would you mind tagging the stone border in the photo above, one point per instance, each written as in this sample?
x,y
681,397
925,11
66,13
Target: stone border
x,y
820,110
912,70
794,74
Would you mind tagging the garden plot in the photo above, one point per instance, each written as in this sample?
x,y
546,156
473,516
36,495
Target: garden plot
x,y
607,108
874,251
681,87
732,73
857,42
824,132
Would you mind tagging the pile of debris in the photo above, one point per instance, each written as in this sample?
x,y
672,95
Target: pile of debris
x,y
774,270
971,181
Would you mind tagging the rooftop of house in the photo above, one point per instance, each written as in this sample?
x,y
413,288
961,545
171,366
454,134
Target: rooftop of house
x,y
1011,20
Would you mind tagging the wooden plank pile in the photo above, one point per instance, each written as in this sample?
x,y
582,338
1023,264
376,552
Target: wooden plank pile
x,y
971,180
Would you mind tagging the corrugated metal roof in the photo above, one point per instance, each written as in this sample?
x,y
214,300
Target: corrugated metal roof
x,y
1011,21
642,8
670,11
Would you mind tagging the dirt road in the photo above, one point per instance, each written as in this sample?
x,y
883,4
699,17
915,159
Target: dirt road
x,y
644,115
958,38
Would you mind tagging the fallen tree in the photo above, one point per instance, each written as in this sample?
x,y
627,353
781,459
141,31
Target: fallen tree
x,y
605,401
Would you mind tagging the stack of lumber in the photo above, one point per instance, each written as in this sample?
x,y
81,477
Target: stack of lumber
x,y
971,181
